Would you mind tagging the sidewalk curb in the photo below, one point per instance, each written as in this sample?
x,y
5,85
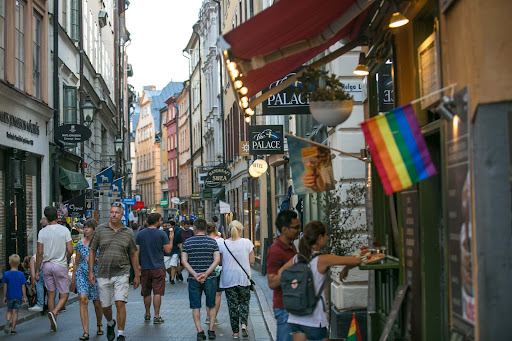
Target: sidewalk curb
x,y
268,313
33,314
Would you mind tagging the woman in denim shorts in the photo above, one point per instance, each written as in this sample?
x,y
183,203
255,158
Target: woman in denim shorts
x,y
314,326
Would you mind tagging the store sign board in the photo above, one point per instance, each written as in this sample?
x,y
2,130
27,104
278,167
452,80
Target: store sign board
x,y
219,174
164,202
76,206
287,101
72,133
224,207
266,139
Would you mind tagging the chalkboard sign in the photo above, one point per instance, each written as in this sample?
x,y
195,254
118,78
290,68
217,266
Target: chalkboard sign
x,y
397,303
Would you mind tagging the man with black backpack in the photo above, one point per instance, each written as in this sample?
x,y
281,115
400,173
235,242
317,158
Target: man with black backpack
x,y
279,253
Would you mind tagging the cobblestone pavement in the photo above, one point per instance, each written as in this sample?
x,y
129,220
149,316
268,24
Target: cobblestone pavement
x,y
178,325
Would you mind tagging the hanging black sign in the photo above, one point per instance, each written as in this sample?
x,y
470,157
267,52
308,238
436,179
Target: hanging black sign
x,y
218,174
286,102
72,133
209,183
266,139
76,206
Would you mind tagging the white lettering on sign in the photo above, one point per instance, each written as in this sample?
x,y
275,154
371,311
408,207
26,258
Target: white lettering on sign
x,y
262,145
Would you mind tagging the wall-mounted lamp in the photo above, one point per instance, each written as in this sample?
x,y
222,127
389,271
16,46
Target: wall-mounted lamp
x,y
128,167
397,19
361,69
88,109
445,108
258,168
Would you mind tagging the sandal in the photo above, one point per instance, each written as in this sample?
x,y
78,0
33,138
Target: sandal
x,y
85,336
100,330
236,336
245,333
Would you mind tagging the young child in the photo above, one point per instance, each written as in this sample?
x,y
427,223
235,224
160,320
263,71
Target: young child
x,y
14,292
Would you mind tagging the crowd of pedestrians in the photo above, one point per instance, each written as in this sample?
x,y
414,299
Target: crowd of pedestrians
x,y
111,256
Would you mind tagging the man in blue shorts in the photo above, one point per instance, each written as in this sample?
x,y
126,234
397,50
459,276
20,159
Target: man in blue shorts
x,y
200,256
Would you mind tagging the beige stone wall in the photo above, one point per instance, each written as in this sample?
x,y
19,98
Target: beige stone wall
x,y
476,49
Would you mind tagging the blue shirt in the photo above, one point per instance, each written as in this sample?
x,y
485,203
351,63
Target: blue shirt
x,y
177,236
14,280
200,249
151,242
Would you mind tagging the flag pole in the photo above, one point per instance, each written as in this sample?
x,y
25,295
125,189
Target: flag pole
x,y
324,146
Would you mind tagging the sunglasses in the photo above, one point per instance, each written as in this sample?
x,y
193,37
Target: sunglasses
x,y
117,204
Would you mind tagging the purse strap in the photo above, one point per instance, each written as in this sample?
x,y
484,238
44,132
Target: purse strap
x,y
248,277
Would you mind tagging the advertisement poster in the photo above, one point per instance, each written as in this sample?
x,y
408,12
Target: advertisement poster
x,y
462,298
311,167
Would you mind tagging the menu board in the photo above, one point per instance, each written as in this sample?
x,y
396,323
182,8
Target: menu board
x,y
462,298
410,219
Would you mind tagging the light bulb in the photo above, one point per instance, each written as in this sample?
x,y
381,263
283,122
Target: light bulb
x,y
238,84
234,74
248,119
244,90
231,66
249,111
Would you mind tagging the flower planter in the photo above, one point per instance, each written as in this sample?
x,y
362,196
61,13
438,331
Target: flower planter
x,y
331,113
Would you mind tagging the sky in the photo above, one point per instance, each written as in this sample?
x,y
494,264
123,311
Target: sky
x,y
159,31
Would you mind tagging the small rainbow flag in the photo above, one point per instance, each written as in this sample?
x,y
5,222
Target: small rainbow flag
x,y
354,334
398,148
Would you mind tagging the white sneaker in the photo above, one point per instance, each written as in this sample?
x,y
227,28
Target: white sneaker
x,y
36,308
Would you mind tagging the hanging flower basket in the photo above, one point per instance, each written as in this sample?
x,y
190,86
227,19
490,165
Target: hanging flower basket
x,y
331,113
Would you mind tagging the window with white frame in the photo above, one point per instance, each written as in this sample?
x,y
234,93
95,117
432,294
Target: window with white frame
x,y
19,53
69,108
36,54
2,39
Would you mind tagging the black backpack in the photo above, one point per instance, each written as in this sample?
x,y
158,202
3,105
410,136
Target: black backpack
x,y
299,296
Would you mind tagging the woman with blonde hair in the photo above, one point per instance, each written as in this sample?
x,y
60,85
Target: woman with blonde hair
x,y
314,326
80,280
237,255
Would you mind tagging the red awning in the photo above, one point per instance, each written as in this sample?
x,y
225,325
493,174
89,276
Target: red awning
x,y
285,23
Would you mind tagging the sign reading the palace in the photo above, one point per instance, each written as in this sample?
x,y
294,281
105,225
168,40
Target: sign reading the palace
x,y
218,174
266,139
72,133
287,101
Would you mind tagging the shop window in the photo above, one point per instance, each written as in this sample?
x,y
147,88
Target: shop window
x,y
2,39
69,111
36,54
19,53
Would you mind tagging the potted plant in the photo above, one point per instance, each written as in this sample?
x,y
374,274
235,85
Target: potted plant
x,y
328,102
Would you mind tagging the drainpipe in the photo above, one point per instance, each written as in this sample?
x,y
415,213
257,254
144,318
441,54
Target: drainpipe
x,y
56,99
221,112
200,106
80,87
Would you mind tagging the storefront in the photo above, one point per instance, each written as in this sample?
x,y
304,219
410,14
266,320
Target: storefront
x,y
24,176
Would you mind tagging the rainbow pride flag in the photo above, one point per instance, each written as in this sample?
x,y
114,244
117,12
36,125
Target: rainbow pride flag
x,y
354,334
398,148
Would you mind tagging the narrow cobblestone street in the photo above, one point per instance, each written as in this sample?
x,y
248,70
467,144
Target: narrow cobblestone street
x,y
178,325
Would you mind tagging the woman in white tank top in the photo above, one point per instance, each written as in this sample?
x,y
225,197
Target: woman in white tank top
x,y
315,325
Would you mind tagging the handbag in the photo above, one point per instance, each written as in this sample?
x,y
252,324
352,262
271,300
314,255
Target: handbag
x,y
248,277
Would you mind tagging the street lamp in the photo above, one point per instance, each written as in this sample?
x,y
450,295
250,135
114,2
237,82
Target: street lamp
x,y
119,145
88,109
128,167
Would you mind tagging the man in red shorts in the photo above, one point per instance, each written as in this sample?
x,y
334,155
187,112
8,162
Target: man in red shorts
x,y
152,243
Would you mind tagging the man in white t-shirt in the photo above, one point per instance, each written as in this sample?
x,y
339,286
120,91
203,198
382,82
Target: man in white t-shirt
x,y
54,251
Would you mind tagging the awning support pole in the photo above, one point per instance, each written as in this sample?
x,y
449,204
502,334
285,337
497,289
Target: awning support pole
x,y
318,64
324,146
